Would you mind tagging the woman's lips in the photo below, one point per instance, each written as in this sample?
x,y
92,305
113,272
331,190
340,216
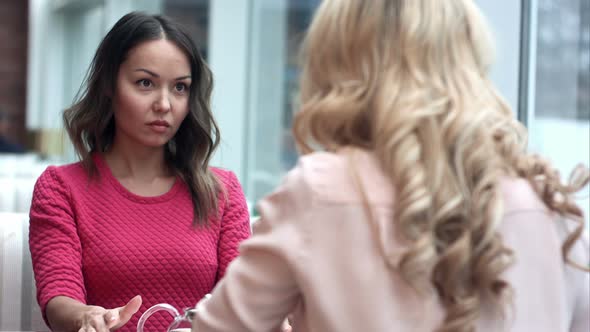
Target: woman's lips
x,y
159,126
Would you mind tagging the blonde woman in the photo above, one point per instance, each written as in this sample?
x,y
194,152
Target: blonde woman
x,y
422,212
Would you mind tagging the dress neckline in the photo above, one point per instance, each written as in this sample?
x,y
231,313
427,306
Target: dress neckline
x,y
105,172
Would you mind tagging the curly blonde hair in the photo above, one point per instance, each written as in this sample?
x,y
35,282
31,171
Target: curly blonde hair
x,y
407,79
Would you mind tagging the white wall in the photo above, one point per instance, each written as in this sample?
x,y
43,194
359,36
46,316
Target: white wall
x,y
267,93
45,74
504,18
228,58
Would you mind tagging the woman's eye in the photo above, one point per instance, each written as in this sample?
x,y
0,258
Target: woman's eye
x,y
144,83
180,87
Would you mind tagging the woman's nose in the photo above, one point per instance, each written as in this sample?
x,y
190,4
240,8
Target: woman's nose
x,y
162,103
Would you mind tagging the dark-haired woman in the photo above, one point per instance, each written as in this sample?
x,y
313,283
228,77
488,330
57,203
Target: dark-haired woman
x,y
142,218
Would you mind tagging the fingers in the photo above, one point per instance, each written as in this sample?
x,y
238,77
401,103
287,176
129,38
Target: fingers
x,y
120,316
111,317
92,319
94,323
99,319
126,312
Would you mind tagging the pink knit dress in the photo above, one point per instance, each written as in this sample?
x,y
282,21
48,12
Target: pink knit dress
x,y
96,242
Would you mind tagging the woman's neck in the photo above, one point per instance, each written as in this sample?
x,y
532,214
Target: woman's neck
x,y
141,164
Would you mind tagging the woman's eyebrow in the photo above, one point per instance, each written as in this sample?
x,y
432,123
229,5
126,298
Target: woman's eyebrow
x,y
158,76
148,71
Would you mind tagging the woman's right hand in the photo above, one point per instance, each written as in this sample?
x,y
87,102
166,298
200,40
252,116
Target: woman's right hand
x,y
99,319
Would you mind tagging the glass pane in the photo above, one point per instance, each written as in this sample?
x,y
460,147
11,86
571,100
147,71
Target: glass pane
x,y
84,29
194,16
83,32
278,27
563,60
560,120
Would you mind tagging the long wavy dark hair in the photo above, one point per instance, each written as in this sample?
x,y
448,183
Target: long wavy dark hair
x,y
91,125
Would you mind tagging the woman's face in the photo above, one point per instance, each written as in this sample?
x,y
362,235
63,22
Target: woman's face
x,y
152,94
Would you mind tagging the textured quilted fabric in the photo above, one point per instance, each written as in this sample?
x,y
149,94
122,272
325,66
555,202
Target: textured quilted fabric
x,y
100,244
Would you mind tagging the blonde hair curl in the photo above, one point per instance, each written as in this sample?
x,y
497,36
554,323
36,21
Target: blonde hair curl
x,y
408,80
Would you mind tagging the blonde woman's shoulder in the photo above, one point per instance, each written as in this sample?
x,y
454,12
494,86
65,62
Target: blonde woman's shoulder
x,y
345,176
321,171
519,196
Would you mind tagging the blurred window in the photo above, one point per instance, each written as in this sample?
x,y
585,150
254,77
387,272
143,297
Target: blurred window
x,y
278,27
194,16
559,89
